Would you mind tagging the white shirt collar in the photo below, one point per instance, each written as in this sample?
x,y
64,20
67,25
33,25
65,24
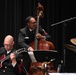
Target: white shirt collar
x,y
8,51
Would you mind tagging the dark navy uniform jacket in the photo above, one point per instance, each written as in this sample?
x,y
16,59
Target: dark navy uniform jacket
x,y
7,68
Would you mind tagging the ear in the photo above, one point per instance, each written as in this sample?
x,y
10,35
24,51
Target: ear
x,y
27,23
13,43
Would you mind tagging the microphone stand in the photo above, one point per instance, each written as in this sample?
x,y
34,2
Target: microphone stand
x,y
63,21
64,51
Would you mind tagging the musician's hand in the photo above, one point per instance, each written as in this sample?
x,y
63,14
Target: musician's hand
x,y
13,58
39,36
30,49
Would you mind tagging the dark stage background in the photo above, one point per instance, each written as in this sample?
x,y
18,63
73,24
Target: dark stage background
x,y
14,12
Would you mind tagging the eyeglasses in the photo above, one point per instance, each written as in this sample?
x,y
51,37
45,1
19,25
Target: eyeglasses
x,y
7,44
32,22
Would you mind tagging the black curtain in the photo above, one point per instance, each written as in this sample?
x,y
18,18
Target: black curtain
x,y
14,12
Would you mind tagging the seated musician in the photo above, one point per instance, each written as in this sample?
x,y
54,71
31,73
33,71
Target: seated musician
x,y
28,33
9,63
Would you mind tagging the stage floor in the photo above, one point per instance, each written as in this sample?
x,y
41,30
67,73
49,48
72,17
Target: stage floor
x,y
62,73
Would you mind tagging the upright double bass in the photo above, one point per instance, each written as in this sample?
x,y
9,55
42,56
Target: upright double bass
x,y
41,44
37,68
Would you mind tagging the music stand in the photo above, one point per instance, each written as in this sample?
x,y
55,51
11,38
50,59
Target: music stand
x,y
41,56
46,55
26,61
26,57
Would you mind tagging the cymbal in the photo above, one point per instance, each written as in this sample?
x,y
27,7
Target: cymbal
x,y
71,47
73,40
